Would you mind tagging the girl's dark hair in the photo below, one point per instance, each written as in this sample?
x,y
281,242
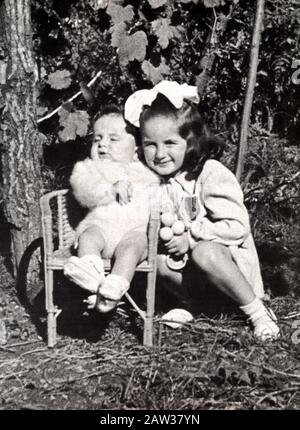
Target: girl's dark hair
x,y
201,143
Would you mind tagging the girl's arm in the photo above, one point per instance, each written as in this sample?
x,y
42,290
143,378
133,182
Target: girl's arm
x,y
227,220
89,186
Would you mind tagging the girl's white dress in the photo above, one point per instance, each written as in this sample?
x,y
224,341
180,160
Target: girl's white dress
x,y
212,206
92,185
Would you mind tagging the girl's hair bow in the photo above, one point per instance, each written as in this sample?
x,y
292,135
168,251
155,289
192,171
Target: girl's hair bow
x,y
173,91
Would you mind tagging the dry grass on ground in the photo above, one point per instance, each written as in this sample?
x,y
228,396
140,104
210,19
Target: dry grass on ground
x,y
213,363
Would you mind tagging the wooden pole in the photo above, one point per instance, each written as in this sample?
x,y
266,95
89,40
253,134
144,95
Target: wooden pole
x,y
251,80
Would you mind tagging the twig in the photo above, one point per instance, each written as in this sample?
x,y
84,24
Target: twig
x,y
292,315
49,115
3,348
70,381
276,393
263,366
14,345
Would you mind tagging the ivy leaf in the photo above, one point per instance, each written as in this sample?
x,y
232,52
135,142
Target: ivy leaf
x,y
118,34
156,3
164,31
60,79
120,14
132,47
155,74
188,1
213,3
98,4
75,124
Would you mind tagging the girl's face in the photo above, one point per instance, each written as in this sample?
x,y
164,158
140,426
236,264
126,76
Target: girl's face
x,y
164,149
111,140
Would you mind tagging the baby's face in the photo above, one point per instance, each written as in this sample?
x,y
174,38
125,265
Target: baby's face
x,y
111,140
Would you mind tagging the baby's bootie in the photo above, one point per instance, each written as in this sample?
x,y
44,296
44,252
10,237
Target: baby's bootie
x,y
87,271
110,293
263,320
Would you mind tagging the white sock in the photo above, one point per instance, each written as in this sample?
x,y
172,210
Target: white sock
x,y
263,320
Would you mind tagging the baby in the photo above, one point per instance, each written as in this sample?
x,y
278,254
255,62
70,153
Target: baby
x,y
115,187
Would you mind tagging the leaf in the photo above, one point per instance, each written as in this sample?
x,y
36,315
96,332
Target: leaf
x,y
75,124
118,34
60,79
164,31
213,3
155,74
132,48
98,4
156,3
102,4
120,14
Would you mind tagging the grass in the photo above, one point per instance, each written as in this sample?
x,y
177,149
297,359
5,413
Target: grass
x,y
212,363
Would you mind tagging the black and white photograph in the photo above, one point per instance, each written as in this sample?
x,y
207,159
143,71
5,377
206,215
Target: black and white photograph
x,y
149,208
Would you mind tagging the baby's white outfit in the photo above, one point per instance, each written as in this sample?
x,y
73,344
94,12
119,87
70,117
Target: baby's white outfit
x,y
92,185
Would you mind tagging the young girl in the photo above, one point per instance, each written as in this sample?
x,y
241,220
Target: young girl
x,y
177,146
115,187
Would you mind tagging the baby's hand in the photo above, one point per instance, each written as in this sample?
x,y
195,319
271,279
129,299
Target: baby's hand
x,y
123,190
178,245
91,301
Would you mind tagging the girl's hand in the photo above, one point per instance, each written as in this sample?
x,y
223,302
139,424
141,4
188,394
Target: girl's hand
x,y
124,191
178,245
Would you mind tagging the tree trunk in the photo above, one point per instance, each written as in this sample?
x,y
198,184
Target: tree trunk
x,y
250,86
20,146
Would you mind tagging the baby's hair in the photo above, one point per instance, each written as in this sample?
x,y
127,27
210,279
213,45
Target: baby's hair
x,y
201,143
110,109
113,109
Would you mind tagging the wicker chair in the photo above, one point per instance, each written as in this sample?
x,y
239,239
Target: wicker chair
x,y
58,236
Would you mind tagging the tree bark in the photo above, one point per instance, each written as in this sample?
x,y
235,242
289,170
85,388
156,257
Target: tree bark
x,y
251,80
20,145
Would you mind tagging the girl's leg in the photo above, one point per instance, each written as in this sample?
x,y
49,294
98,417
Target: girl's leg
x,y
215,262
87,269
177,283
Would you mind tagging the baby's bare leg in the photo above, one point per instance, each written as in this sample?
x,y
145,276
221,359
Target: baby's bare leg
x,y
87,269
91,242
131,250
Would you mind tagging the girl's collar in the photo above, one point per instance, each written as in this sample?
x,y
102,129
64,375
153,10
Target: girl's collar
x,y
180,178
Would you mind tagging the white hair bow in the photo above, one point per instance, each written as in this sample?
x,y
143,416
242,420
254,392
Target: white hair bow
x,y
173,91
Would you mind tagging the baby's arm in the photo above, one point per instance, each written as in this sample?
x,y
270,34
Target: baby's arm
x,y
89,186
227,220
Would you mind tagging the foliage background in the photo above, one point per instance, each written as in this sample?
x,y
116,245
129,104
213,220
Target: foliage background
x,y
75,39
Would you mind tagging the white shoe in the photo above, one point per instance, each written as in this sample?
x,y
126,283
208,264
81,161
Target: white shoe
x,y
87,272
111,292
176,318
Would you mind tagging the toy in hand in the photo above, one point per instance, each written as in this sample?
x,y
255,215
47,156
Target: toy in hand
x,y
172,226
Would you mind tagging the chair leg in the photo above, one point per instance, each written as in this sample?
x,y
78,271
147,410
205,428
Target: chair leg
x,y
150,299
51,309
